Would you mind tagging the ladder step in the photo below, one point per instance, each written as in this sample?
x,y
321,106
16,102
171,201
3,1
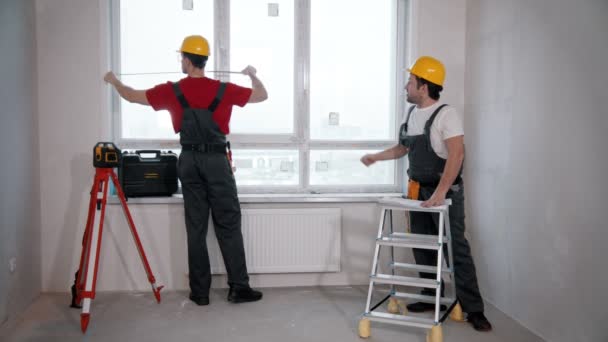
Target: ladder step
x,y
408,242
423,237
411,205
420,268
400,319
423,298
406,281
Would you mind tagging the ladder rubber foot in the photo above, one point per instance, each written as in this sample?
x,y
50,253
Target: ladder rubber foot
x,y
456,314
393,306
403,307
84,322
364,328
157,293
435,334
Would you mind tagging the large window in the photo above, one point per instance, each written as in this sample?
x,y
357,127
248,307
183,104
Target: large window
x,y
334,71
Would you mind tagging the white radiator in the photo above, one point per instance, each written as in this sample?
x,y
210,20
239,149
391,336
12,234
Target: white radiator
x,y
286,241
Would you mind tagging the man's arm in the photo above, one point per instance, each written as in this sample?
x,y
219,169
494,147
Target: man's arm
x,y
394,152
455,146
258,92
126,92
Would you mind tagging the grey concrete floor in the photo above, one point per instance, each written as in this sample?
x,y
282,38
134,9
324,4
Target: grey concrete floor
x,y
284,314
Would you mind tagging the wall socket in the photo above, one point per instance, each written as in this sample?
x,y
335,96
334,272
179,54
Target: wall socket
x,y
12,265
188,5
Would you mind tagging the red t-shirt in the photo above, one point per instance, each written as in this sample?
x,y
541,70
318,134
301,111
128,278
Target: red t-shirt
x,y
199,92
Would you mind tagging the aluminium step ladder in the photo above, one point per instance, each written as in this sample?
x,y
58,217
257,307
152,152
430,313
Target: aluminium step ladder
x,y
388,237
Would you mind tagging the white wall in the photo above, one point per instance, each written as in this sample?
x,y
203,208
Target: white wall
x,y
19,187
70,95
74,116
439,31
536,140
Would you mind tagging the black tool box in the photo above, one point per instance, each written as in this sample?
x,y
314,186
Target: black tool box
x,y
148,173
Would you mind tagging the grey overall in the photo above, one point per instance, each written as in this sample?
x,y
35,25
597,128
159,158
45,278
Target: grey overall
x,y
208,184
426,167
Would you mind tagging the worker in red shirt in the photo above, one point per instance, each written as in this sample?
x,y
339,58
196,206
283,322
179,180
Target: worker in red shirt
x,y
200,110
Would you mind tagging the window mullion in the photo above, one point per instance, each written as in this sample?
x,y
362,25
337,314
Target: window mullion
x,y
221,39
115,65
401,43
301,86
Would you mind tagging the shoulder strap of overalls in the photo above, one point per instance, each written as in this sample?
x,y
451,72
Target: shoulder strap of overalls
x,y
429,122
180,96
216,101
218,97
409,112
212,107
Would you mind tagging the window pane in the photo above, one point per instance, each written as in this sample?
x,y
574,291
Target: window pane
x,y
151,32
353,62
343,167
258,167
142,122
264,40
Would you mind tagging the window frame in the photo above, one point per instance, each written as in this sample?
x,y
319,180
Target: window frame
x,y
300,138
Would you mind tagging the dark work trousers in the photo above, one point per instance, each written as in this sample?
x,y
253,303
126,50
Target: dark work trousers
x,y
467,290
208,184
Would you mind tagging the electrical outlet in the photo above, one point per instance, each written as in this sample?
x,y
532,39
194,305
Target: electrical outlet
x,y
334,118
12,265
273,10
188,5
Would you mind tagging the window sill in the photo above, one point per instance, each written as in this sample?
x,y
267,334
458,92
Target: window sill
x,y
273,198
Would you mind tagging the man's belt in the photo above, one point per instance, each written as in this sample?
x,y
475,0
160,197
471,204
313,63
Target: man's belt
x,y
413,187
458,180
205,148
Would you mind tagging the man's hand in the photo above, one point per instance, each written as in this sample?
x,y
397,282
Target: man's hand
x,y
368,159
249,71
110,78
438,198
258,92
126,92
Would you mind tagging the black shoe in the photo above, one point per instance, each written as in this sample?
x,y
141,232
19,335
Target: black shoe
x,y
422,307
199,300
479,321
243,295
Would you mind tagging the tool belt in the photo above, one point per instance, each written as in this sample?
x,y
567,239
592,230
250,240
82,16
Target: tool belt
x,y
205,148
413,187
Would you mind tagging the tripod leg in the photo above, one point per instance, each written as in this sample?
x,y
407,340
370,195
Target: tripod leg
x,y
81,273
155,289
94,247
74,289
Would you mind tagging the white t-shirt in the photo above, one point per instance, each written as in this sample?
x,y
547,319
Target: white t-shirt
x,y
447,124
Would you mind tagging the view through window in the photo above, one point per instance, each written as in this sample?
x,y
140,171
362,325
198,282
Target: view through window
x,y
331,68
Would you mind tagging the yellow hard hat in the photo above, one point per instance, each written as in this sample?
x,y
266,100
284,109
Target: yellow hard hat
x,y
196,45
429,68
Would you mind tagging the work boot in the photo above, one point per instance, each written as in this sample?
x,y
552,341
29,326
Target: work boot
x,y
479,321
243,295
199,300
422,307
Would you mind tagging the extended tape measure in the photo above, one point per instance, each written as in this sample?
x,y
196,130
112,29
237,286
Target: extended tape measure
x,y
106,154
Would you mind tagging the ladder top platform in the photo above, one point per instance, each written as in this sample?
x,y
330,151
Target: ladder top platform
x,y
413,205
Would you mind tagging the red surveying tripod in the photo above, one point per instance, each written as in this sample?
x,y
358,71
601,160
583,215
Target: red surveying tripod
x,y
106,156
